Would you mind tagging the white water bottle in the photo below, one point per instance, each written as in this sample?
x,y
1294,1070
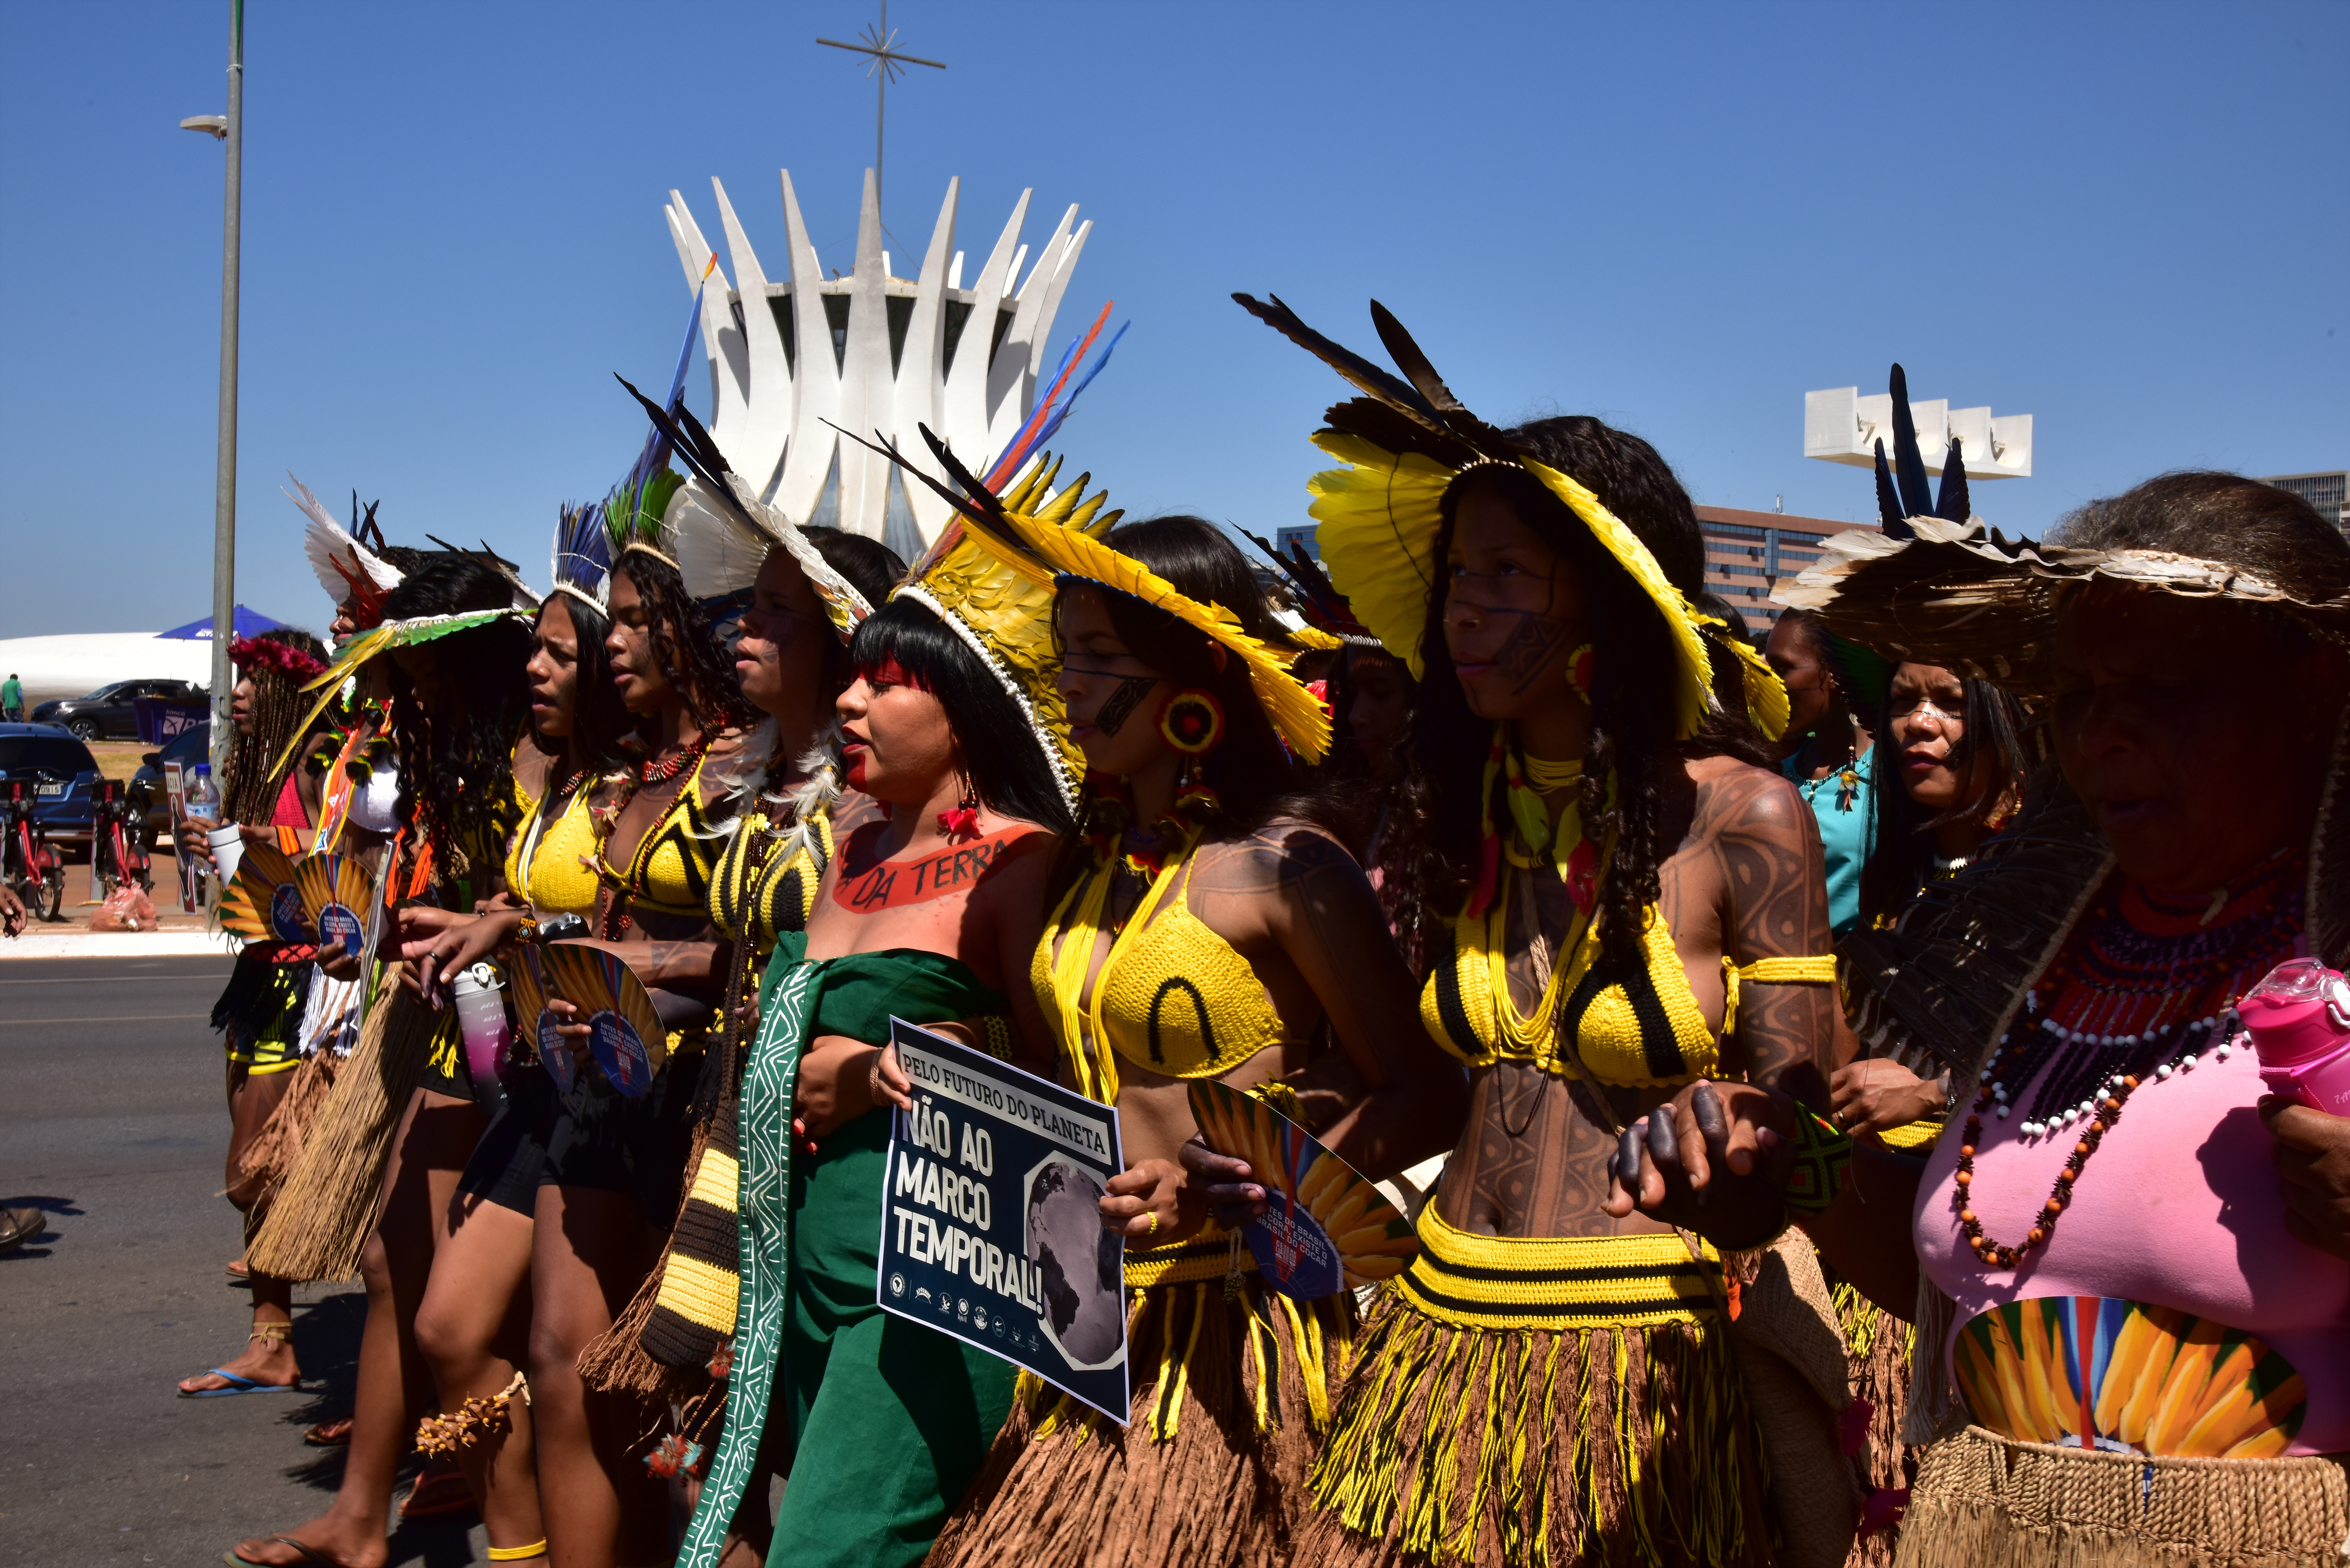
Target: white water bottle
x,y
480,994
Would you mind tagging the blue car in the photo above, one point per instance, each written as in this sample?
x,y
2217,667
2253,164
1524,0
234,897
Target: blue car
x,y
63,772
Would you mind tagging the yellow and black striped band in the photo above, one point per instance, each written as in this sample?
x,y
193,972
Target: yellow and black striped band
x,y
1555,1282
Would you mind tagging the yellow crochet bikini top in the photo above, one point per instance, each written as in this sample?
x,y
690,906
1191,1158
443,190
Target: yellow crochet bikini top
x,y
544,862
672,870
1172,996
1642,1031
757,892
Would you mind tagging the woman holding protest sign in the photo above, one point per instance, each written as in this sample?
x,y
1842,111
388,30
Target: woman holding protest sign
x,y
928,911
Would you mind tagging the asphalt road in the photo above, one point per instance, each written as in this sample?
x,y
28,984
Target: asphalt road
x,y
115,1127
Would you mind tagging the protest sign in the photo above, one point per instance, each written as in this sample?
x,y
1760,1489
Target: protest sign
x,y
991,1219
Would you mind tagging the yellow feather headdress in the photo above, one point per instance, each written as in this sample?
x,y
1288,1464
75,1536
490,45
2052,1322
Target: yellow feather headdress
x,y
1059,539
1004,614
1404,445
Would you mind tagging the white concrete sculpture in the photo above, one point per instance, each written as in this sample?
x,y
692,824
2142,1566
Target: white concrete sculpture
x,y
1841,426
900,355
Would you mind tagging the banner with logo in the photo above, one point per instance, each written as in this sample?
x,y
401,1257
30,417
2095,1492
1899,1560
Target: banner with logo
x,y
990,1217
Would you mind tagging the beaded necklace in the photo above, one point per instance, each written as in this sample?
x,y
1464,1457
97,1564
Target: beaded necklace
x,y
2146,987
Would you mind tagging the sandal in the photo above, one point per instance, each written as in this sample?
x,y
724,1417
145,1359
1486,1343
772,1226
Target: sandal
x,y
268,1333
309,1554
332,1434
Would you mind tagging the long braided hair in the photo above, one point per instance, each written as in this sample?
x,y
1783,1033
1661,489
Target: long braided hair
x,y
1431,849
456,751
249,789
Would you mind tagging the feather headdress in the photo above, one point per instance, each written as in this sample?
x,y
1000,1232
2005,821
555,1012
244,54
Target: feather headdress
x,y
1324,609
526,598
1051,540
355,578
1404,443
1938,587
582,558
360,646
719,532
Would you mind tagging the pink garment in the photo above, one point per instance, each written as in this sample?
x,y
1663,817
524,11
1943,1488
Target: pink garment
x,y
2178,1208
289,812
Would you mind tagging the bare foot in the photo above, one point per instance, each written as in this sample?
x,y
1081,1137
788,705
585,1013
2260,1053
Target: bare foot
x,y
325,1538
267,1359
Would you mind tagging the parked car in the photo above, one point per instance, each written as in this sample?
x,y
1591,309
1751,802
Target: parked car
x,y
106,714
62,770
188,747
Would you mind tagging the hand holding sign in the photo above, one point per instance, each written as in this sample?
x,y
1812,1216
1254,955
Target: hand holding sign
x,y
991,1216
1324,1226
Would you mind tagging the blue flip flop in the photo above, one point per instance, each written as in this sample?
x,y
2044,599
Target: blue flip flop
x,y
236,1386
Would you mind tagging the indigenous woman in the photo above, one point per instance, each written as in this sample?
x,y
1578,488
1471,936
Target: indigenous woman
x,y
1196,880
1616,908
1830,756
261,1011
453,652
928,911
474,1320
610,1186
792,658
2130,1345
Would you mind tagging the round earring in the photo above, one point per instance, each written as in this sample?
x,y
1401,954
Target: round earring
x,y
1578,670
1192,722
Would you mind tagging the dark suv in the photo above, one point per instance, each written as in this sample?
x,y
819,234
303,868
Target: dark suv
x,y
61,769
105,714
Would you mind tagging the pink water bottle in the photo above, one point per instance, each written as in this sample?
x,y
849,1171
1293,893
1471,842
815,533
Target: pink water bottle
x,y
2298,1019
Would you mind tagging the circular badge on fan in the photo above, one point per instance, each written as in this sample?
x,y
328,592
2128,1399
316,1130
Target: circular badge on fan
x,y
621,1052
286,914
1293,1252
556,1052
339,927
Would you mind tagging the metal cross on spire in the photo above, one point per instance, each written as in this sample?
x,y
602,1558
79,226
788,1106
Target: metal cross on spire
x,y
886,65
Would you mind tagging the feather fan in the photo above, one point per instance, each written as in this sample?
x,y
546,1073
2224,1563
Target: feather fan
x,y
261,902
1325,1226
336,892
625,1032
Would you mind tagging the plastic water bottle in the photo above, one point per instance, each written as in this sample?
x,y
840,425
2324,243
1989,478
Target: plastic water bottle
x,y
2298,1020
480,994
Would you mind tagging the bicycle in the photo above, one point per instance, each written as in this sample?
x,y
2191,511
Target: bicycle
x,y
29,863
118,840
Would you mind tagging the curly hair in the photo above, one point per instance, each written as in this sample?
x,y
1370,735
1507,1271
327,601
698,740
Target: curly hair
x,y
456,754
251,781
1432,845
684,643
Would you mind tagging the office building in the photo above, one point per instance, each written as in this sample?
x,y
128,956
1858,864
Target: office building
x,y
2329,493
1746,552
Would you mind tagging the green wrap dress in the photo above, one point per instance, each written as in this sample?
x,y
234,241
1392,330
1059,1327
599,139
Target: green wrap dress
x,y
883,1422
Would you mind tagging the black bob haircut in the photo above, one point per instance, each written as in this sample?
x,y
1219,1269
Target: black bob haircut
x,y
1004,756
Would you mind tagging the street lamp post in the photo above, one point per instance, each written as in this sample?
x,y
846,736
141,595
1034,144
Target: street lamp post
x,y
231,130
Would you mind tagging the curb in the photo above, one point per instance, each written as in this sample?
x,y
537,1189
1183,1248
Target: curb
x,y
116,944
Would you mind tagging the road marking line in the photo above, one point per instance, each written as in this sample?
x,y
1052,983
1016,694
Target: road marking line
x,y
120,1018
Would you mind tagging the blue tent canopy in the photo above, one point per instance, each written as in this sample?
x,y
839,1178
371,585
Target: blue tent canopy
x,y
247,623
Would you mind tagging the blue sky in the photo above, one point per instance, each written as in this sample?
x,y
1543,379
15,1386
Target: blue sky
x,y
2127,221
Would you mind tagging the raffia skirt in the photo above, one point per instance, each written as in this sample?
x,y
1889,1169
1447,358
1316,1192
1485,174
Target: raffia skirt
x,y
1231,1390
1982,1501
1553,1402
